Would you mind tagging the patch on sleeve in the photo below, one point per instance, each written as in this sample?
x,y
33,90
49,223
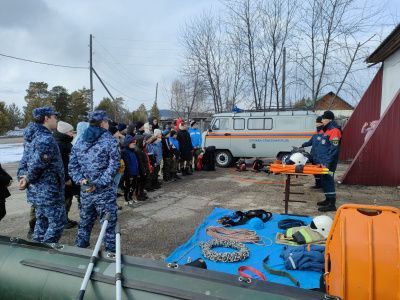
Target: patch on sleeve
x,y
45,158
335,141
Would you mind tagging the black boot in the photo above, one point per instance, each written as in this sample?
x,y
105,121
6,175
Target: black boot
x,y
126,195
188,172
70,224
330,207
323,203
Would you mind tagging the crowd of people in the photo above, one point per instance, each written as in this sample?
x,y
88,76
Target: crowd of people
x,y
106,160
103,161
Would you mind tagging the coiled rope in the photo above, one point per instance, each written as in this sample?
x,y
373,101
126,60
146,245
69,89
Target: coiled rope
x,y
236,235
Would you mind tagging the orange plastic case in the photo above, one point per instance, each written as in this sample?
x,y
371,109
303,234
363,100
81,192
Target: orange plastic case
x,y
362,256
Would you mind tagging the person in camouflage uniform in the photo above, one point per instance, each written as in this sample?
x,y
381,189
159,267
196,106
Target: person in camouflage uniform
x,y
94,162
29,134
41,173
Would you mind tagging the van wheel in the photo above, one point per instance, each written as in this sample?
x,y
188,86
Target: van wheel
x,y
223,158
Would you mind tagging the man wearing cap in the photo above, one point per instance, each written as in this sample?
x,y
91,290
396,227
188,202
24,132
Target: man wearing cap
x,y
41,173
94,162
313,142
327,153
195,136
64,136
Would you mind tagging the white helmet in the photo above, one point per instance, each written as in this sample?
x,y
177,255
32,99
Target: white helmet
x,y
322,225
298,159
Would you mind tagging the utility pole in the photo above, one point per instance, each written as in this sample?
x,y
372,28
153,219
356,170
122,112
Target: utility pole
x,y
156,91
101,81
91,72
284,78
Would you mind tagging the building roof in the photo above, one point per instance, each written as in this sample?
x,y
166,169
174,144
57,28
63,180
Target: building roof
x,y
390,45
324,103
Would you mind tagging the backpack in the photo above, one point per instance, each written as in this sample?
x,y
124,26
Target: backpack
x,y
257,165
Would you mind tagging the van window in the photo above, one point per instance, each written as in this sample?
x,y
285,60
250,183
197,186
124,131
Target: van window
x,y
221,124
290,124
238,124
259,124
268,124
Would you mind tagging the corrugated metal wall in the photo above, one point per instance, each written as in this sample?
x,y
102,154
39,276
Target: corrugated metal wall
x,y
378,161
368,109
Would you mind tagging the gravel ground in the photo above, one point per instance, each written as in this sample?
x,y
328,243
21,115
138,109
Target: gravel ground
x,y
156,227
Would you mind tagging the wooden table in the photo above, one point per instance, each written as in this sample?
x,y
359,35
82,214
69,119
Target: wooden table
x,y
287,189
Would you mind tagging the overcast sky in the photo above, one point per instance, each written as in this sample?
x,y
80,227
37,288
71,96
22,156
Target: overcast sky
x,y
135,44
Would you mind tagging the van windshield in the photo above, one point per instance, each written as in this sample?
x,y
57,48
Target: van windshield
x,y
221,124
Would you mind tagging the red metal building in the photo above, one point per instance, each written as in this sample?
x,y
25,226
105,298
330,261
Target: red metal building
x,y
377,160
368,109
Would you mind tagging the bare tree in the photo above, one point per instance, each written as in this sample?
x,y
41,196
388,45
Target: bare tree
x,y
278,19
328,43
203,58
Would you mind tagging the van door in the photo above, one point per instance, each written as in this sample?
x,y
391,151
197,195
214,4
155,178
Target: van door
x,y
260,143
220,134
238,148
220,137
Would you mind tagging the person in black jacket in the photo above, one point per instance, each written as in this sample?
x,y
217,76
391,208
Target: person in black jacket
x,y
131,171
168,170
186,149
64,137
143,167
5,181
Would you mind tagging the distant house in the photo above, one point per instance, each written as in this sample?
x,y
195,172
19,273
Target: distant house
x,y
339,106
330,101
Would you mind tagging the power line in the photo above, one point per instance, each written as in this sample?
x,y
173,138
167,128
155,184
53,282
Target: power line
x,y
119,91
122,75
135,40
41,62
120,67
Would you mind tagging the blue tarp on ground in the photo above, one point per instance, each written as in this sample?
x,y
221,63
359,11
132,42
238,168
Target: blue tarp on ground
x,y
307,279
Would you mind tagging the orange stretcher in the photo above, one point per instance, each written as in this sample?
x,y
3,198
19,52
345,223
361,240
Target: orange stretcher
x,y
362,256
278,168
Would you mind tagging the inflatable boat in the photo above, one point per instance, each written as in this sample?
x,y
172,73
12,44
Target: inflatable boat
x,y
30,270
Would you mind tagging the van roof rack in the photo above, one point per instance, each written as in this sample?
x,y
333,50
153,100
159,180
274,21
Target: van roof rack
x,y
273,109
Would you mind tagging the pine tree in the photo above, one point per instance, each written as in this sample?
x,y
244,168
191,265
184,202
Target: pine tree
x,y
4,119
140,114
37,96
80,105
107,105
61,102
155,112
15,115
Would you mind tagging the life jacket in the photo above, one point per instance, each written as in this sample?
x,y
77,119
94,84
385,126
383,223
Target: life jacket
x,y
303,235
